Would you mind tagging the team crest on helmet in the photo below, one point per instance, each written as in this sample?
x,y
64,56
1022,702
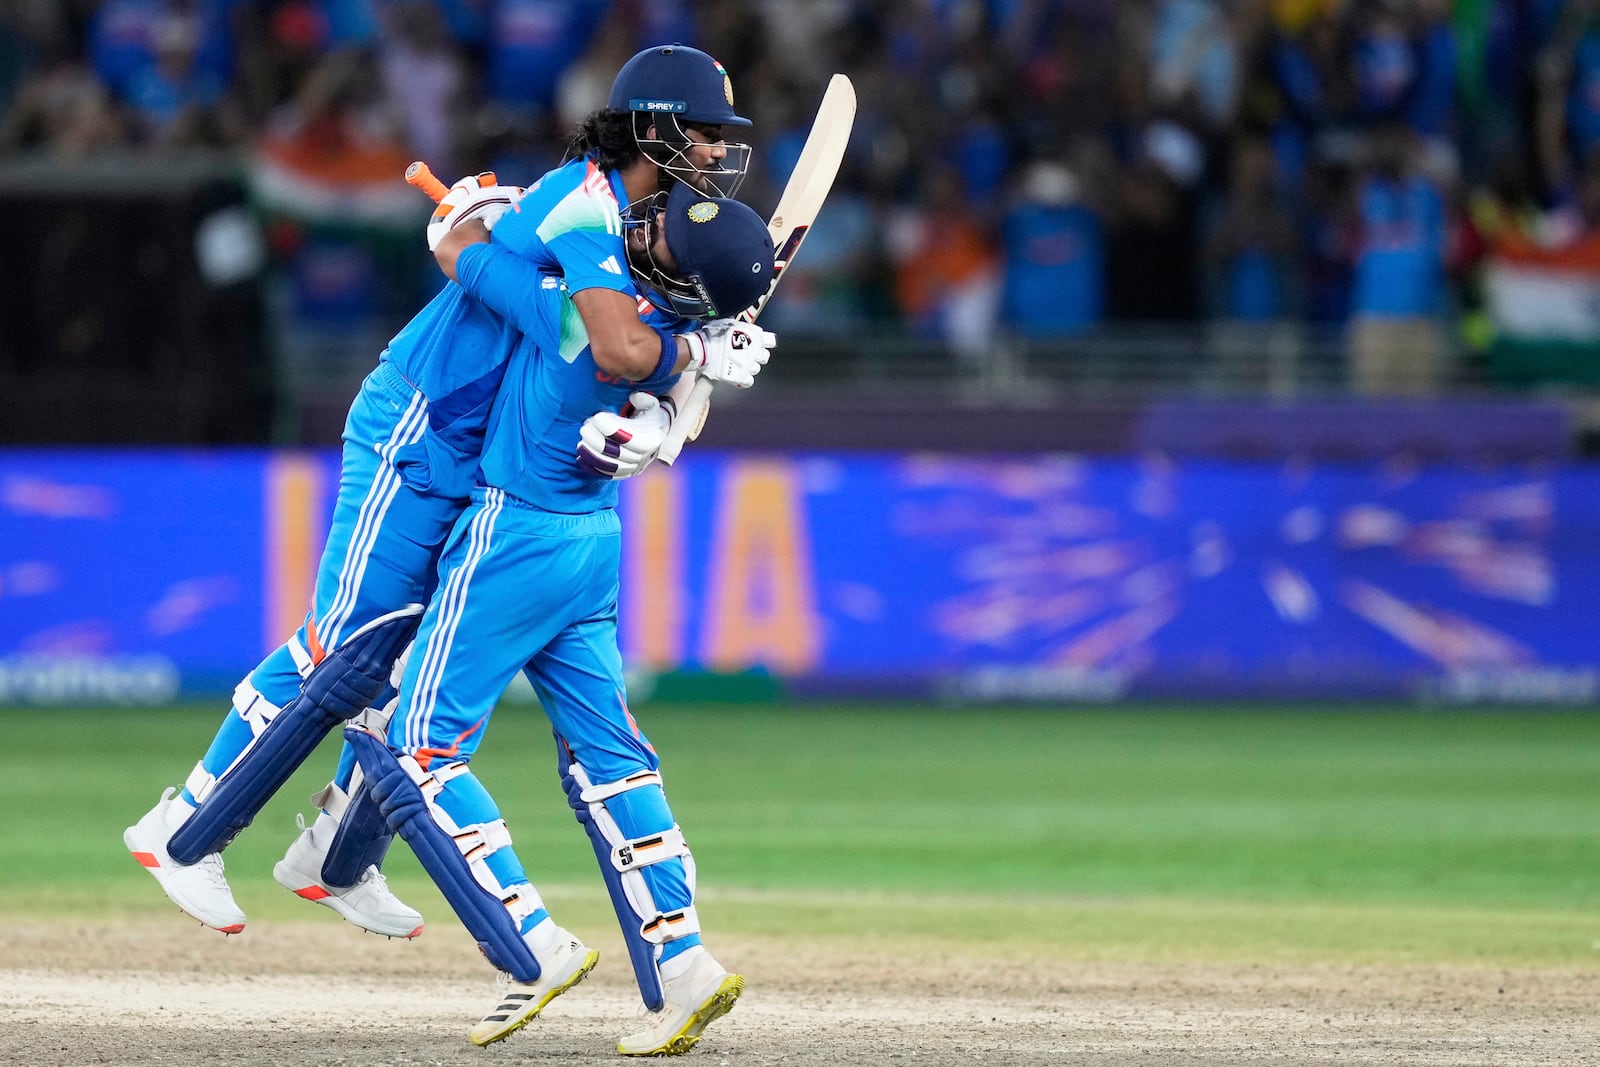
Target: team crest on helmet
x,y
727,82
704,211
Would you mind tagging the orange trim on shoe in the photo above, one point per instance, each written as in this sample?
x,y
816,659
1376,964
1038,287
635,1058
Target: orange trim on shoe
x,y
146,859
313,892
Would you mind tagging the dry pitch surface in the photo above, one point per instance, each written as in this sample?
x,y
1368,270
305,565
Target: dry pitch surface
x,y
304,993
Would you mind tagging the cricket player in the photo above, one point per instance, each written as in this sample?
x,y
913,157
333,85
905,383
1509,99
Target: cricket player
x,y
529,582
411,451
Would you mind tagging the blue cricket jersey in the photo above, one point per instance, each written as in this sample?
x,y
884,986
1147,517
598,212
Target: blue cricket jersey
x,y
552,384
1399,271
455,349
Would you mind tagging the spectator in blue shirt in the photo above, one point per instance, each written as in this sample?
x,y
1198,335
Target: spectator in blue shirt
x,y
125,41
1053,259
530,43
1383,62
1431,109
1251,254
1253,245
1396,341
177,99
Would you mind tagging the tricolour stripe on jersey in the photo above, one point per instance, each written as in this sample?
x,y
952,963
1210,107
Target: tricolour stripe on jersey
x,y
452,601
592,206
598,184
369,521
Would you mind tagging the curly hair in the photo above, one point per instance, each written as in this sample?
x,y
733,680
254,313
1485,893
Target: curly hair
x,y
609,133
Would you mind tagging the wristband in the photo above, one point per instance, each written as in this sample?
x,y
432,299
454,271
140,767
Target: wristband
x,y
669,355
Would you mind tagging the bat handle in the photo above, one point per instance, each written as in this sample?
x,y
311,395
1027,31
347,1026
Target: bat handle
x,y
692,412
420,175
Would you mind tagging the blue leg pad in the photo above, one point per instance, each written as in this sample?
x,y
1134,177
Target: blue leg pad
x,y
641,953
361,841
641,835
408,814
342,686
640,812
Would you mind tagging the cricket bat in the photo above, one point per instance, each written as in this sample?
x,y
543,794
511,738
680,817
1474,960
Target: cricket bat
x,y
420,175
797,209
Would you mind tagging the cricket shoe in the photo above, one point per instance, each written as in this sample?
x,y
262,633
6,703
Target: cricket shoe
x,y
200,889
697,992
561,968
369,904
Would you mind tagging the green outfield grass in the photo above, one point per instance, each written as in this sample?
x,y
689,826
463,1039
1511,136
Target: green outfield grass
x,y
1131,833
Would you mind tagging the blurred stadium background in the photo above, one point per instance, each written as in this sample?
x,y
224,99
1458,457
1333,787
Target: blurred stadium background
x,y
1185,411
1184,544
1178,349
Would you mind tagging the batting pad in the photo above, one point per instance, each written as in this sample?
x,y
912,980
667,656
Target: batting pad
x,y
455,857
362,837
632,832
347,681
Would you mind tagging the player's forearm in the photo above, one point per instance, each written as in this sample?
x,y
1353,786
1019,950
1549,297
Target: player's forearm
x,y
501,280
622,345
642,355
471,232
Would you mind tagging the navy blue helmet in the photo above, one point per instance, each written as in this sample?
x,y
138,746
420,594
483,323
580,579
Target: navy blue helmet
x,y
723,255
675,79
668,89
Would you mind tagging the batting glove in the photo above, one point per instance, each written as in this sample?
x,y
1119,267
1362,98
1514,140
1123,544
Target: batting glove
x,y
730,350
615,445
477,196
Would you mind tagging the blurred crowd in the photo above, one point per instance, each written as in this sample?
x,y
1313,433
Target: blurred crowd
x,y
1019,169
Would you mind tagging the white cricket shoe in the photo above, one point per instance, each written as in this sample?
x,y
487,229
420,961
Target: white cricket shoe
x,y
200,889
369,904
697,992
561,968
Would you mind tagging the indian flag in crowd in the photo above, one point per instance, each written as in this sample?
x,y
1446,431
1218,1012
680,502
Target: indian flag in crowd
x,y
1545,305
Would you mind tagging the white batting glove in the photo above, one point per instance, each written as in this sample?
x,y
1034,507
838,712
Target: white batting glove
x,y
619,446
477,196
730,350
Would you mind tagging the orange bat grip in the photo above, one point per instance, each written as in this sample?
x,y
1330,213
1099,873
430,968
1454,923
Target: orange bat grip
x,y
421,176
